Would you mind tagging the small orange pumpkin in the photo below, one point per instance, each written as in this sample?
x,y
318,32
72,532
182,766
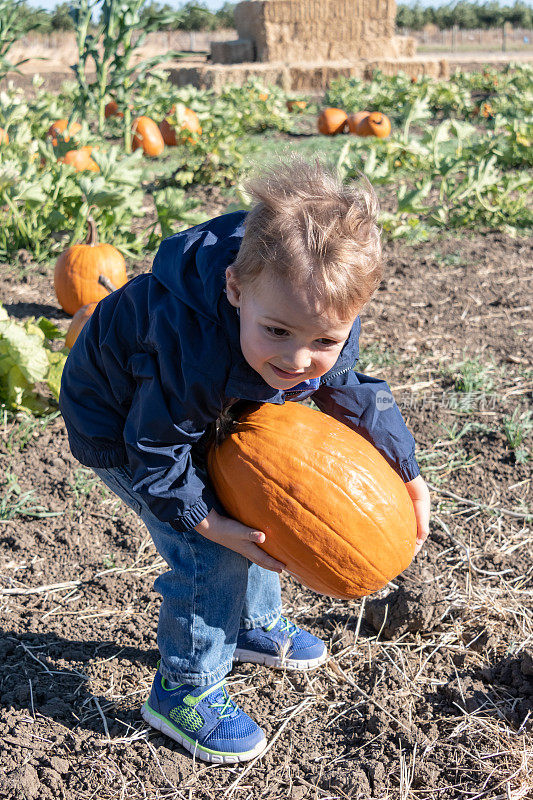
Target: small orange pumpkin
x,y
263,96
60,129
296,105
4,138
81,159
78,321
111,110
86,273
147,135
331,507
332,121
355,119
375,124
187,122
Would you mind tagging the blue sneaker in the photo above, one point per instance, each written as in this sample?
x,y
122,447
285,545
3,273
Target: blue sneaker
x,y
204,720
281,644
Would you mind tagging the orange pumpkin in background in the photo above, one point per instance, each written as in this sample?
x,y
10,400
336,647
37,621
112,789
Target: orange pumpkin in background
x,y
187,122
332,509
375,124
354,120
60,129
332,121
78,321
86,273
111,110
4,138
296,105
81,159
147,135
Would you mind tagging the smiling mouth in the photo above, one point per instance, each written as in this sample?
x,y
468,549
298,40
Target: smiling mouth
x,y
284,372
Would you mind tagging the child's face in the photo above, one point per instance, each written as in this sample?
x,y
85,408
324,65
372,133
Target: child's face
x,y
283,335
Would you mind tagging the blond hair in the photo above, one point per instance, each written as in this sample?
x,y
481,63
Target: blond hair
x,y
307,228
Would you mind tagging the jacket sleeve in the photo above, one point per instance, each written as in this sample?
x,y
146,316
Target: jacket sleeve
x,y
162,438
366,405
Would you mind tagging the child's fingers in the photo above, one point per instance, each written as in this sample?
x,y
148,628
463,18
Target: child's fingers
x,y
262,559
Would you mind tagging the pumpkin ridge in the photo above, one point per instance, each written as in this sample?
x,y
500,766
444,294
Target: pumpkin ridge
x,y
322,475
328,566
336,534
359,509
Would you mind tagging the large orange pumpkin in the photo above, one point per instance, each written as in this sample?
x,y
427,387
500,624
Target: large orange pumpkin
x,y
78,321
81,159
332,121
375,124
331,507
354,120
86,273
147,135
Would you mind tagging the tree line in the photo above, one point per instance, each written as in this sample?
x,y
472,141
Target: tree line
x,y
196,16
464,14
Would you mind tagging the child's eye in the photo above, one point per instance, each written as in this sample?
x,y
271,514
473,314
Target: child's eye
x,y
327,342
277,331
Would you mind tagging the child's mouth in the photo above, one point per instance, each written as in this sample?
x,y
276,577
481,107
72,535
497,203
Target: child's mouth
x,y
283,374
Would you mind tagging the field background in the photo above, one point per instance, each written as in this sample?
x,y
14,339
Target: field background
x,y
428,692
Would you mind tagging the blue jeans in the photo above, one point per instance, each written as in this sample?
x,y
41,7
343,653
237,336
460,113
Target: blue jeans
x,y
209,593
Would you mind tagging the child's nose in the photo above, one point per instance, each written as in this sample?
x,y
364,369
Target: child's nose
x,y
299,360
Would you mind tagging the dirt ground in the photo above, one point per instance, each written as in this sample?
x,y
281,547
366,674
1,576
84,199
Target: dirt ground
x,y
428,692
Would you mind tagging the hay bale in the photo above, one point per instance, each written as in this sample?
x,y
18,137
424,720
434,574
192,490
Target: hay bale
x,y
311,30
303,77
240,51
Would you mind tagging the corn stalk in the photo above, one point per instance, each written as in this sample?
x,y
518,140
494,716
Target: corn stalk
x,y
12,29
110,44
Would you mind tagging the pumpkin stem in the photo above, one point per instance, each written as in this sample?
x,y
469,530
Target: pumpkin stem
x,y
92,235
228,421
104,281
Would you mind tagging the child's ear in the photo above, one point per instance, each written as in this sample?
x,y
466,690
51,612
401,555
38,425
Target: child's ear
x,y
232,288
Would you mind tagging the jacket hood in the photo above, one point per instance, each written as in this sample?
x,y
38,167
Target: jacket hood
x,y
192,264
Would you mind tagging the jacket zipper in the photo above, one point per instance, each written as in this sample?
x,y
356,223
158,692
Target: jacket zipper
x,y
336,374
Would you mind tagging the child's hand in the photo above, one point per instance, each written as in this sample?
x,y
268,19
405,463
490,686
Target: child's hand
x,y
419,494
230,533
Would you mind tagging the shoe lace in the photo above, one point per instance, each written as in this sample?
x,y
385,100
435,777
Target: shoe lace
x,y
228,707
286,626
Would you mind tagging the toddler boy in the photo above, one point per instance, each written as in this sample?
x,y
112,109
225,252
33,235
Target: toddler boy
x,y
260,306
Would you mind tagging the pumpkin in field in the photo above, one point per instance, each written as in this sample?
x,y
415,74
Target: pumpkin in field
x,y
296,105
376,124
60,129
86,273
147,135
78,321
81,159
186,122
111,110
332,509
354,120
4,138
332,121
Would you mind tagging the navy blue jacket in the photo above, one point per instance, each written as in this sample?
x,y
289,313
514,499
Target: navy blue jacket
x,y
161,357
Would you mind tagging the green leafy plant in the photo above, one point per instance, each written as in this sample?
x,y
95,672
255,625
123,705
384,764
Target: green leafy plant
x,y
30,368
15,503
517,427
